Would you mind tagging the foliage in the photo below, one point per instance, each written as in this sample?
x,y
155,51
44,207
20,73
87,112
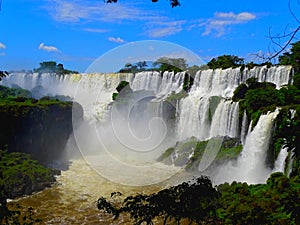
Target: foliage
x,y
170,64
288,129
194,201
189,152
258,97
225,61
20,175
6,92
134,68
276,202
53,67
123,84
292,57
174,97
230,149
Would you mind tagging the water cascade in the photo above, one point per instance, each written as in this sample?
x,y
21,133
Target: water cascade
x,y
206,112
250,166
279,165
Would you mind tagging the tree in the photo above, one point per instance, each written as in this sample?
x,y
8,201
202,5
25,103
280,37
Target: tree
x,y
196,202
281,42
170,64
173,3
292,57
141,65
225,61
53,67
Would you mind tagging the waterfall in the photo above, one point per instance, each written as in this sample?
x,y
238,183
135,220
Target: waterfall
x,y
250,166
205,113
197,117
160,84
94,91
244,127
225,120
280,162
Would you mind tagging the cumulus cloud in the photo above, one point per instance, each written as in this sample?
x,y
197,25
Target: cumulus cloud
x,y
117,40
2,46
48,48
222,20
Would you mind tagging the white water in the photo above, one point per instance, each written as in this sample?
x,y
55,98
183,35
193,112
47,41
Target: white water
x,y
194,110
280,162
250,166
244,127
205,113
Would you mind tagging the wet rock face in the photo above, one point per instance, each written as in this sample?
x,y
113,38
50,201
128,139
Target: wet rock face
x,y
41,128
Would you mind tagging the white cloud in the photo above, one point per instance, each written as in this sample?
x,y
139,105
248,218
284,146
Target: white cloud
x,y
117,40
96,30
165,28
87,11
48,48
222,20
2,46
76,11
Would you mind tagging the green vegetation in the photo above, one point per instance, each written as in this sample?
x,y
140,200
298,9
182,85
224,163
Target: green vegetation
x,y
123,84
190,152
257,98
225,61
174,97
276,202
20,175
134,68
6,92
230,149
292,58
53,67
287,132
40,127
171,64
195,201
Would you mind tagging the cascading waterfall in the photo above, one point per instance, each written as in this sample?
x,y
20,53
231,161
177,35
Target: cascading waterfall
x,y
160,84
205,113
94,91
244,127
250,166
194,110
225,120
280,162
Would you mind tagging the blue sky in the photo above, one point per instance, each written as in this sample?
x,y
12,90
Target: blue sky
x,y
77,32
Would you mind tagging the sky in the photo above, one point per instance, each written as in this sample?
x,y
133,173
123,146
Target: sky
x,y
77,33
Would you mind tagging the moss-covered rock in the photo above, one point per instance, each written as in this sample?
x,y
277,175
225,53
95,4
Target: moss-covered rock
x,y
21,175
39,127
189,153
